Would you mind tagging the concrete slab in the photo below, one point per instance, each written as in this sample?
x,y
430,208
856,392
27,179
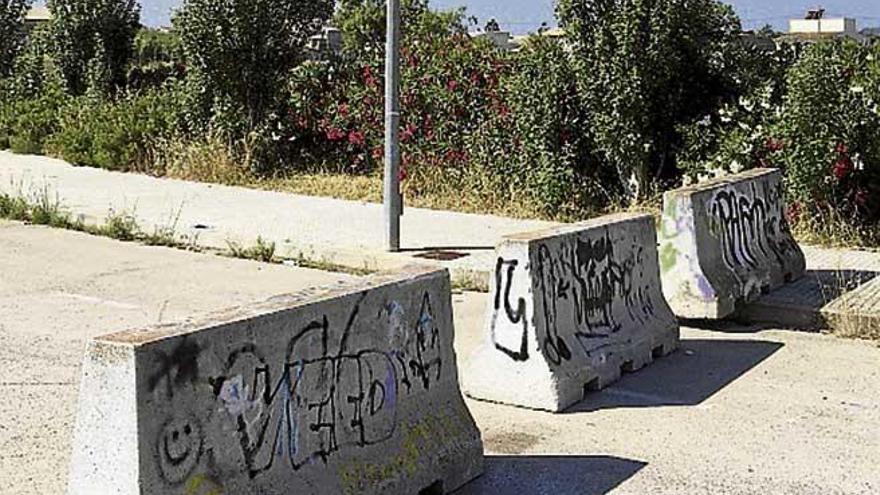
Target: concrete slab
x,y
349,388
738,410
840,291
725,242
60,288
573,308
345,232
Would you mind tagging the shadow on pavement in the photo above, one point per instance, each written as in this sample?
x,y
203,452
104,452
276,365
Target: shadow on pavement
x,y
552,475
698,370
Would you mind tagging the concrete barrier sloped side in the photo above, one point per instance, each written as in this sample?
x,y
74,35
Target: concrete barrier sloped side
x,y
725,242
571,309
349,389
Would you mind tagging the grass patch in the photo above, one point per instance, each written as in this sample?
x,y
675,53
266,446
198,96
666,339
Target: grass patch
x,y
831,229
262,250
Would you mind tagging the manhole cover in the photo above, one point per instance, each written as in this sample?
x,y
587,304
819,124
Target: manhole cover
x,y
441,255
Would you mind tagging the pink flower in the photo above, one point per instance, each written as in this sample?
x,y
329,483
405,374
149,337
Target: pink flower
x,y
334,134
368,77
452,85
408,133
343,110
357,138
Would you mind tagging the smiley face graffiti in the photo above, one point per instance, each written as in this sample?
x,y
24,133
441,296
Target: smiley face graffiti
x,y
179,449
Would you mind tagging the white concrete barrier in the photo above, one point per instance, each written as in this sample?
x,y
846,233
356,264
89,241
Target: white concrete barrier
x,y
349,389
725,242
571,308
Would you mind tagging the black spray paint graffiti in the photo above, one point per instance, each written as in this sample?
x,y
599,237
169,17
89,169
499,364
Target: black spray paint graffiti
x,y
325,396
179,449
584,288
752,227
504,271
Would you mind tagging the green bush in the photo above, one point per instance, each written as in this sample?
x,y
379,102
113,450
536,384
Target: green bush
x,y
117,134
830,131
12,32
26,123
92,41
643,67
238,55
447,85
739,133
533,146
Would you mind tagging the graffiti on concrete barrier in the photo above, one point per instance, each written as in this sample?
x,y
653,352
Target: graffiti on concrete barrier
x,y
179,448
439,431
586,289
751,226
325,395
519,348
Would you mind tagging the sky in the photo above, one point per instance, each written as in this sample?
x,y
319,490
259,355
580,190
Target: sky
x,y
521,16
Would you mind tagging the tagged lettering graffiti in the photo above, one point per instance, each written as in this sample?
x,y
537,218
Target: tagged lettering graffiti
x,y
325,395
585,288
752,226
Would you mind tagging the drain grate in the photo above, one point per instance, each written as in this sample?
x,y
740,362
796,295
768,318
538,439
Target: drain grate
x,y
439,255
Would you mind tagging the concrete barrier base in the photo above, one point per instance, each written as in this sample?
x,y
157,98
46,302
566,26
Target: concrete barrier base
x,y
349,389
572,308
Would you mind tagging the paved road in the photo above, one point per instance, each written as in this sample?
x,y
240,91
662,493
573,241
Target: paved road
x,y
737,411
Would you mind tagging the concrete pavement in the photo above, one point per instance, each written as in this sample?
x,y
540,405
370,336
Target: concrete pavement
x,y
739,410
345,232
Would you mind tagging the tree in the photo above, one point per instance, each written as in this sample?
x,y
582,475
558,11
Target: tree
x,y
238,53
12,32
644,66
93,37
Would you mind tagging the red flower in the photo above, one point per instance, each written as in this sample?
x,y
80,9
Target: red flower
x,y
357,138
378,153
402,175
343,110
842,168
334,134
368,77
408,133
841,148
452,85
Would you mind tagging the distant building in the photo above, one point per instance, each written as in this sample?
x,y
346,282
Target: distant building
x,y
36,16
501,39
815,26
327,42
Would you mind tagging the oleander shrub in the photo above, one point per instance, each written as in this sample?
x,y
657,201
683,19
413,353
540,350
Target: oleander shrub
x,y
829,132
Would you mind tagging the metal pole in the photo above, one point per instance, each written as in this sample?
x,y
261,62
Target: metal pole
x,y
393,199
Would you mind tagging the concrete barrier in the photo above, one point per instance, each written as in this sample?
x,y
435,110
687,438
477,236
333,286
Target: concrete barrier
x,y
349,389
725,242
571,308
